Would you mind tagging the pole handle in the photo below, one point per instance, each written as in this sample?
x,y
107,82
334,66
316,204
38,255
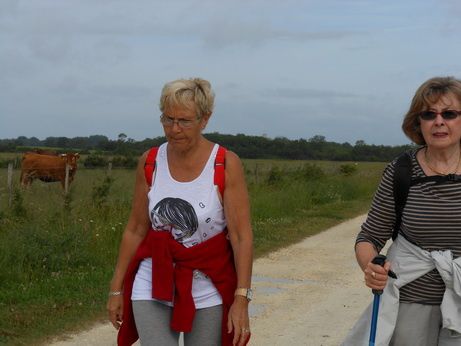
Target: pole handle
x,y
380,259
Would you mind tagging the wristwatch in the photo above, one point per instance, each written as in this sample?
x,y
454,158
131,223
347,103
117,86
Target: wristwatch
x,y
246,292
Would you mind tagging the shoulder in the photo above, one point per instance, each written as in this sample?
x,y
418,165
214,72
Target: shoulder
x,y
233,168
158,150
405,159
401,165
232,160
230,155
145,156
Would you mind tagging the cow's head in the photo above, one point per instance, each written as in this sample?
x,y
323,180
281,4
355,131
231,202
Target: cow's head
x,y
71,160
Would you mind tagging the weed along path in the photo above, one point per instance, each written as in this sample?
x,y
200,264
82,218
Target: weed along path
x,y
309,293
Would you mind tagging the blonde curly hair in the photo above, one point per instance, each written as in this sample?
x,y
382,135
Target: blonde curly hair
x,y
193,93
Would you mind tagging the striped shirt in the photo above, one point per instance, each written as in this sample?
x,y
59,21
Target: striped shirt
x,y
431,220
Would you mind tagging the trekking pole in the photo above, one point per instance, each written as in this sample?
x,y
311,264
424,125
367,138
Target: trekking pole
x,y
380,259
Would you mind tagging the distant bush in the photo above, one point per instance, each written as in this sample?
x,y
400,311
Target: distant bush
x,y
18,204
15,160
347,169
99,161
275,176
67,200
311,171
101,191
124,162
95,161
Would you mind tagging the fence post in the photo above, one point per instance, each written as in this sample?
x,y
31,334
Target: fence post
x,y
66,185
109,168
10,184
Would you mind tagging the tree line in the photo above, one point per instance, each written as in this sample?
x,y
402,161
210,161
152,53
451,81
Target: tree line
x,y
251,147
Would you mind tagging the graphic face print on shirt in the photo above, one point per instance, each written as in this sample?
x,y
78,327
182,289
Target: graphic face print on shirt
x,y
175,215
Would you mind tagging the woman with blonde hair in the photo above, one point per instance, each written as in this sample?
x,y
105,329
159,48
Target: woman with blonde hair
x,y
185,258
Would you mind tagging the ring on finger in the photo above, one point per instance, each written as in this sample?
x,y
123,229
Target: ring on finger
x,y
245,330
373,274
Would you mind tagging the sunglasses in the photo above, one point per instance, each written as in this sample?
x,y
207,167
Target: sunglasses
x,y
449,114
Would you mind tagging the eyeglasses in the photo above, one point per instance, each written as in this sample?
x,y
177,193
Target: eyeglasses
x,y
182,123
449,114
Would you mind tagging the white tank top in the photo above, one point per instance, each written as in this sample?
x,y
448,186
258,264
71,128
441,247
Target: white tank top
x,y
193,213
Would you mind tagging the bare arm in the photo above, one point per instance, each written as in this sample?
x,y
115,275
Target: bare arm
x,y
237,211
134,233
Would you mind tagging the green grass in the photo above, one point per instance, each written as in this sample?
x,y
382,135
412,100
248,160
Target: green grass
x,y
57,254
294,208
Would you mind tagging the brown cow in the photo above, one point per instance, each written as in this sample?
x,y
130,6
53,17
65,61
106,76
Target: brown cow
x,y
47,168
44,152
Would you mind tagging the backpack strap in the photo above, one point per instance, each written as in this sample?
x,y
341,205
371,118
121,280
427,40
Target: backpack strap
x,y
149,165
220,169
401,187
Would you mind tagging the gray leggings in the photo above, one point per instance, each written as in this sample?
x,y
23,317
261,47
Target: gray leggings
x,y
153,325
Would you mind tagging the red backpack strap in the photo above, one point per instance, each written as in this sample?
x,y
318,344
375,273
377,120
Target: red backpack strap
x,y
220,169
149,166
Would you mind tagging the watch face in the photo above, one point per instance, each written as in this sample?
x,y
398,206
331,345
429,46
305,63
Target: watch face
x,y
249,294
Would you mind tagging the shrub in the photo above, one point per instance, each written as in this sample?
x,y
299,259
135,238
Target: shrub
x,y
311,171
275,176
101,191
94,161
67,199
124,162
347,169
18,204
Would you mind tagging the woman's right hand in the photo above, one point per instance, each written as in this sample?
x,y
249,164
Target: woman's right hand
x,y
115,310
376,275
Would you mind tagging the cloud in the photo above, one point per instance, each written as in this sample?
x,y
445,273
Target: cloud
x,y
8,8
291,93
228,34
71,88
52,48
226,30
286,68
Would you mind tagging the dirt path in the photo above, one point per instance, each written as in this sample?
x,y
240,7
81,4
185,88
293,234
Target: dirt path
x,y
307,294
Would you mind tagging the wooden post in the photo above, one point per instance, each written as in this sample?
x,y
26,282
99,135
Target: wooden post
x,y
256,173
66,186
10,184
109,168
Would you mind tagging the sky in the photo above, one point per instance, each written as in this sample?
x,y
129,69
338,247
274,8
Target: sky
x,y
343,69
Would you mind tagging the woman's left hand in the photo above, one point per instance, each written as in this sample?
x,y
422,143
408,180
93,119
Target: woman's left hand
x,y
238,321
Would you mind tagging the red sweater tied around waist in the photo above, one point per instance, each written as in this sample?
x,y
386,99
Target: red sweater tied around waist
x,y
172,275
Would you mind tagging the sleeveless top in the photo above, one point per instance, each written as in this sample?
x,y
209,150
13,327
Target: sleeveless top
x,y
192,213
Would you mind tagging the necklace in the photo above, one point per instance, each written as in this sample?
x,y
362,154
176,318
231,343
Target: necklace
x,y
436,171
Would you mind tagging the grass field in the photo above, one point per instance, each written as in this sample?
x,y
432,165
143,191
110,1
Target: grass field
x,y
57,253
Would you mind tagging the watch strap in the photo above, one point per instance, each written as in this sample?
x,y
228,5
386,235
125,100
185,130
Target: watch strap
x,y
245,292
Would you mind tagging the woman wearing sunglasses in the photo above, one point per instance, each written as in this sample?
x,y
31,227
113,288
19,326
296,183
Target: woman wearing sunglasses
x,y
421,306
185,258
